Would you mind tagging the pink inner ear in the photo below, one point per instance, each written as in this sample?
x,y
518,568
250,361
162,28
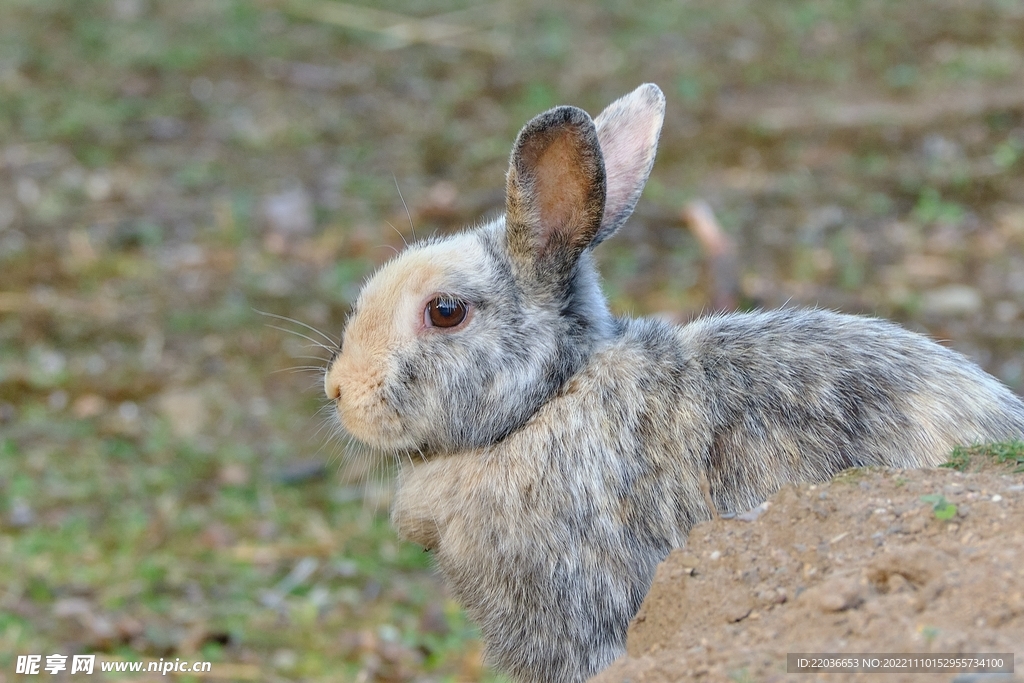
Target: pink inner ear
x,y
628,132
627,153
560,188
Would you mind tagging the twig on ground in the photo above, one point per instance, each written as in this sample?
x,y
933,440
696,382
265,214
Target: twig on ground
x,y
400,29
721,252
832,112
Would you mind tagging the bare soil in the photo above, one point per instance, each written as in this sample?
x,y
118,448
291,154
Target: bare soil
x,y
860,564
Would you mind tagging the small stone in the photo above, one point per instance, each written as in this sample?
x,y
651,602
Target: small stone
x,y
21,514
28,192
687,560
57,400
129,411
98,186
166,128
834,595
234,474
897,583
1005,311
88,406
289,213
952,300
313,76
738,612
285,659
98,629
185,410
754,513
302,471
916,525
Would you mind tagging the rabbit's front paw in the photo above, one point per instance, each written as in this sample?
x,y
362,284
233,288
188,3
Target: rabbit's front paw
x,y
417,512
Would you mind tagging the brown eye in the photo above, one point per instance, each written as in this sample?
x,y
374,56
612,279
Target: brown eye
x,y
445,311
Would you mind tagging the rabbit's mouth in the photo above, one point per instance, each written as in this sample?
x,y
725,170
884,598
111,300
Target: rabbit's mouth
x,y
374,421
365,410
381,428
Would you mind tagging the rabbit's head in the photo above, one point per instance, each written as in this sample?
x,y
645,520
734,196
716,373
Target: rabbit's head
x,y
458,341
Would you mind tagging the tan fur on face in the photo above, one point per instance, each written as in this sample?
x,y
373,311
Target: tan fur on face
x,y
390,316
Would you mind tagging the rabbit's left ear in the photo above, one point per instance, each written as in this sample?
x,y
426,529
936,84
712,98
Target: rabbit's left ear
x,y
628,130
555,193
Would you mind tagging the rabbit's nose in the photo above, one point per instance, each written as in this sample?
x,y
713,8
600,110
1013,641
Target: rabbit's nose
x,y
332,382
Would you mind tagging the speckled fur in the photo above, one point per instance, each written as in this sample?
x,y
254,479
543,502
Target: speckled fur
x,y
554,453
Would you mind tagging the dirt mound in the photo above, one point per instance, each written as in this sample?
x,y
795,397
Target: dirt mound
x,y
875,561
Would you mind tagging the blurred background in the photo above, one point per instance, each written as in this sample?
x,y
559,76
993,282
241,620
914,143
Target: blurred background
x,y
169,486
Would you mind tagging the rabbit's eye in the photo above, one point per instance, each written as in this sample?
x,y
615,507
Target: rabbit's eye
x,y
444,311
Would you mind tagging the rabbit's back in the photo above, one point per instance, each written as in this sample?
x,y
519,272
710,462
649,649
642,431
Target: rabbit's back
x,y
795,395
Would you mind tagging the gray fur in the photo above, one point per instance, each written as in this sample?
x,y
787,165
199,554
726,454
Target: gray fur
x,y
559,450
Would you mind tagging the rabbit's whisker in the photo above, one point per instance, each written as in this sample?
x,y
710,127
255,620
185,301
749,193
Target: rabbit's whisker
x,y
334,343
299,368
407,212
323,360
303,336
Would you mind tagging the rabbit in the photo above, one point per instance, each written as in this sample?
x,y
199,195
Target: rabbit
x,y
552,453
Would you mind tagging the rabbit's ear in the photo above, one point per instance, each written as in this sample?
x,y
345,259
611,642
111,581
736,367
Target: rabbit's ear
x,y
555,192
628,130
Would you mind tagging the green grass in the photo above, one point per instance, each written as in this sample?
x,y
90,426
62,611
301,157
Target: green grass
x,y
1009,452
941,507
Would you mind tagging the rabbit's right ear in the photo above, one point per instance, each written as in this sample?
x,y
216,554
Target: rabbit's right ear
x,y
628,129
555,194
